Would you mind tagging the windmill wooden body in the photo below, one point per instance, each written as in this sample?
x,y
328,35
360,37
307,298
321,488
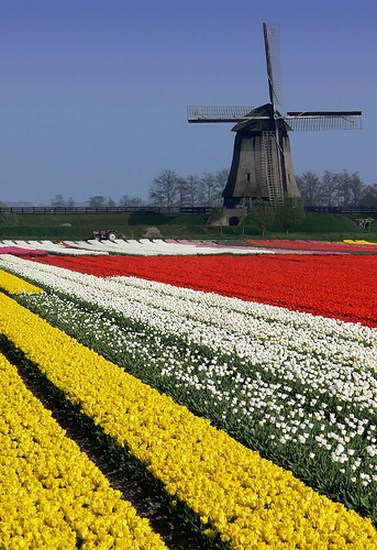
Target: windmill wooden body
x,y
262,165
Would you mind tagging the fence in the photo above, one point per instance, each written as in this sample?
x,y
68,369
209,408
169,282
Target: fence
x,y
163,209
105,209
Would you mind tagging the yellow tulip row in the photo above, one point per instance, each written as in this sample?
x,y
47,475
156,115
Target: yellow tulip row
x,y
15,285
250,501
51,494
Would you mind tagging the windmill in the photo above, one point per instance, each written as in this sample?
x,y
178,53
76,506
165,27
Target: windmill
x,y
262,165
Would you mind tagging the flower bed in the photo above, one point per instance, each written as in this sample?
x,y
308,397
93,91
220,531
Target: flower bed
x,y
249,500
344,287
15,285
304,385
20,251
312,245
52,495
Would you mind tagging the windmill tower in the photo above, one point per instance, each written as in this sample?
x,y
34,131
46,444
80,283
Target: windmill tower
x,y
262,164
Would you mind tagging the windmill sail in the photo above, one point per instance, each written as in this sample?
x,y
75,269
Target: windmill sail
x,y
224,113
276,174
272,50
324,120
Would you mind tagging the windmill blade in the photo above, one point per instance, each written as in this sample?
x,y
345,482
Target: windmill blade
x,y
324,120
272,49
225,113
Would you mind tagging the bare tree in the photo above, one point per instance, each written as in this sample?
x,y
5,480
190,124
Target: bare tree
x,y
348,189
369,195
221,178
125,200
310,188
165,189
193,191
356,187
183,192
57,200
330,186
96,202
208,183
342,190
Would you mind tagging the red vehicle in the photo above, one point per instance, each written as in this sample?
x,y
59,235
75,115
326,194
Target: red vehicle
x,y
105,235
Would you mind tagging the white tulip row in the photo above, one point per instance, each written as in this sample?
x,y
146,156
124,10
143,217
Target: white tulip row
x,y
159,247
49,246
310,380
143,247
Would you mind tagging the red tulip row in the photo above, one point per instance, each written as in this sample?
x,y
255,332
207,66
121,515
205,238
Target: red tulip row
x,y
342,287
345,246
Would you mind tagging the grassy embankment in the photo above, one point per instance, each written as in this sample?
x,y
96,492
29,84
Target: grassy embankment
x,y
321,226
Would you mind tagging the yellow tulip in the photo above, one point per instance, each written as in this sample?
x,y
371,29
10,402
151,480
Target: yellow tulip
x,y
204,467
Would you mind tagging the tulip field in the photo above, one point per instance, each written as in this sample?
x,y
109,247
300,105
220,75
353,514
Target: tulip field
x,y
244,386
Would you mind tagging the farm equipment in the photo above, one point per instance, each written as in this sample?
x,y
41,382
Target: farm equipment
x,y
105,235
364,223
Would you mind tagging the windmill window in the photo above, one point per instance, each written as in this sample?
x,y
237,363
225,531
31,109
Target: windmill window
x,y
248,177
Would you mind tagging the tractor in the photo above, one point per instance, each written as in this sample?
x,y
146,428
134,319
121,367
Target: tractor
x,y
105,235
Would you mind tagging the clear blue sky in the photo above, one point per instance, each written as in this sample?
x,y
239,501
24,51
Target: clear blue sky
x,y
93,93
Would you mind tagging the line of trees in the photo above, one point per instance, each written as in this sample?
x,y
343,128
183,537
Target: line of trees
x,y
336,189
167,189
98,201
172,190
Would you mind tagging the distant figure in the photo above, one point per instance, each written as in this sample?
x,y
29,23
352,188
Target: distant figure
x,y
365,223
